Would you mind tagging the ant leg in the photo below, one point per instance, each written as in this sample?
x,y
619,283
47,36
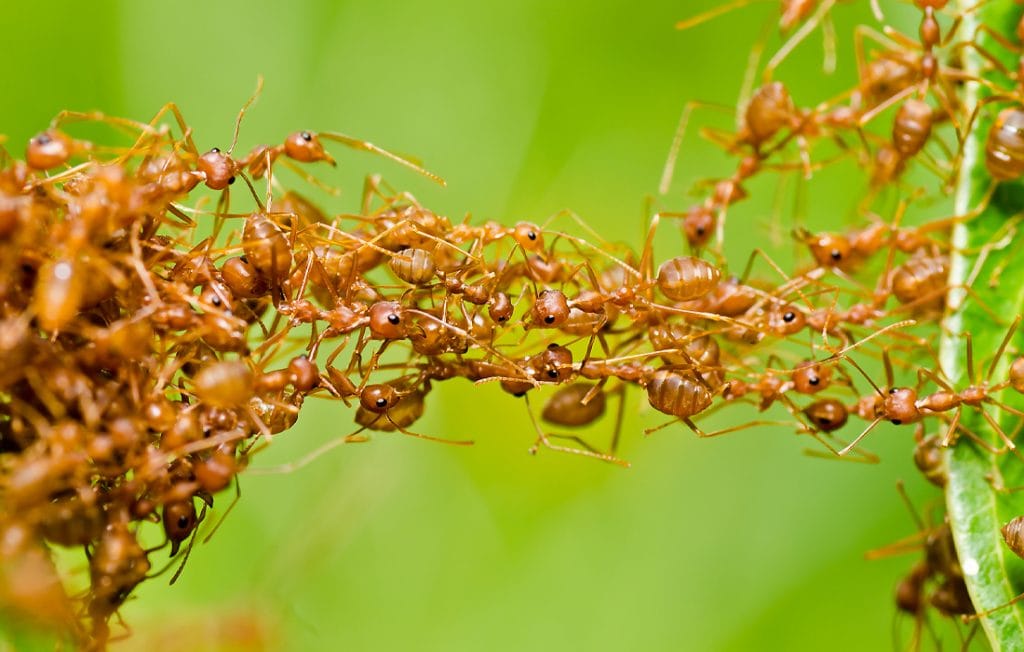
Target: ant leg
x,y
749,424
309,178
792,284
410,433
543,440
750,74
901,40
620,413
999,431
186,130
677,140
892,100
699,19
245,107
809,25
828,44
988,612
223,517
354,438
871,426
367,146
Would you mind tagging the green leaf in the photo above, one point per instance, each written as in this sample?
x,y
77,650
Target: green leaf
x,y
988,259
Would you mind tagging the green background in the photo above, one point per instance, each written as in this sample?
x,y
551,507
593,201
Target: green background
x,y
738,543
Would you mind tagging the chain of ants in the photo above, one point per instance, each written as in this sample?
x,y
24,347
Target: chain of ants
x,y
142,365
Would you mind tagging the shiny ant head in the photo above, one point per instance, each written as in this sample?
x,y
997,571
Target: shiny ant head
x,y
218,169
48,149
305,147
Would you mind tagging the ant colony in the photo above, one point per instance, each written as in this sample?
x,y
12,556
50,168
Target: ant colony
x,y
152,343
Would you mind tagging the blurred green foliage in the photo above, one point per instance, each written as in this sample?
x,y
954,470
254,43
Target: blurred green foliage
x,y
527,108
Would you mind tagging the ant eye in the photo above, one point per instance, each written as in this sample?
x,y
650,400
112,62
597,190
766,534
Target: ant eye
x,y
896,422
394,319
531,235
814,380
215,301
552,346
789,316
502,318
700,230
552,373
43,139
836,254
183,521
215,150
824,421
381,402
306,136
550,319
894,390
231,181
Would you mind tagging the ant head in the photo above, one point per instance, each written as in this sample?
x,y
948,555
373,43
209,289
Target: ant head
x,y
217,168
829,250
305,147
699,225
810,377
179,521
500,307
304,373
386,321
379,398
900,406
48,149
528,236
787,320
550,310
553,365
216,297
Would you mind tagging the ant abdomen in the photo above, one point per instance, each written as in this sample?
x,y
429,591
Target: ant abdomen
x,y
566,407
414,266
930,460
677,393
1013,535
224,384
827,414
1004,148
912,127
686,278
266,247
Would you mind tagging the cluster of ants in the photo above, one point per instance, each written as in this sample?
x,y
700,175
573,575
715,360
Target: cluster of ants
x,y
150,344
